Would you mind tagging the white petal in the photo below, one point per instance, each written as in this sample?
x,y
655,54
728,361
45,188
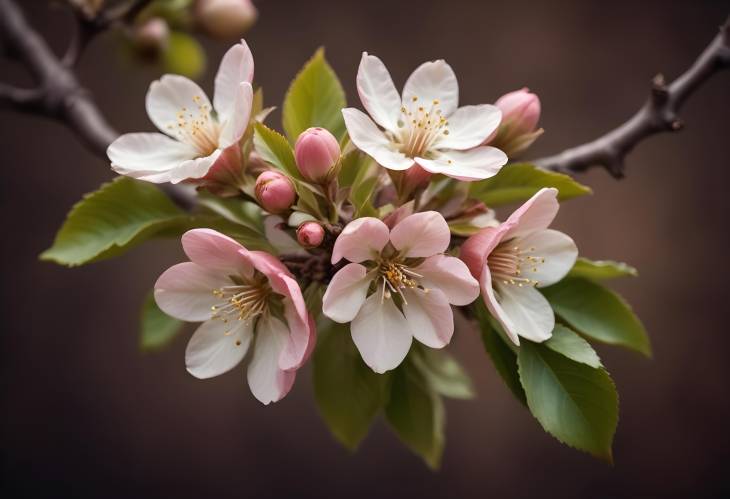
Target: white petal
x,y
148,156
236,67
235,123
381,334
194,168
369,139
528,311
470,126
475,164
185,291
432,81
450,275
490,300
346,293
362,239
558,251
377,92
421,234
171,95
279,238
429,316
267,381
217,347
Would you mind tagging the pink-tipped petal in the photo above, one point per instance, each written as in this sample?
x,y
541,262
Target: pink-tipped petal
x,y
450,275
273,269
476,249
185,291
302,336
236,67
346,293
430,316
360,240
369,139
469,127
377,92
528,310
213,250
475,164
171,95
268,382
556,255
432,81
490,300
421,234
537,213
217,347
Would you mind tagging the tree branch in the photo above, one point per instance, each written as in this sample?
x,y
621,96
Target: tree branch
x,y
659,114
59,95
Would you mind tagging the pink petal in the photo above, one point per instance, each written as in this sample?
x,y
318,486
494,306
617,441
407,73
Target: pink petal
x,y
236,67
217,347
429,316
450,275
432,81
371,140
273,269
476,249
185,291
490,300
302,338
346,293
362,239
213,250
381,334
421,234
377,92
470,126
537,213
267,381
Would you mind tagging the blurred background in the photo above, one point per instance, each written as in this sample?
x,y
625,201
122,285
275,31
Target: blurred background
x,y
84,414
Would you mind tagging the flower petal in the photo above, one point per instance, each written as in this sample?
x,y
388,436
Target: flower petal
x,y
302,337
557,251
421,234
432,81
267,381
381,334
528,310
476,249
537,213
213,250
362,239
236,67
194,168
217,347
490,300
279,276
171,95
429,316
450,275
185,291
346,293
148,156
475,164
279,238
369,139
377,92
470,126
234,124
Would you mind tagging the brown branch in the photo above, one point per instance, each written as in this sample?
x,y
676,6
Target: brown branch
x,y
659,114
58,94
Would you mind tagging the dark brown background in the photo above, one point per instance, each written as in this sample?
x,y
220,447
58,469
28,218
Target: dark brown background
x,y
85,415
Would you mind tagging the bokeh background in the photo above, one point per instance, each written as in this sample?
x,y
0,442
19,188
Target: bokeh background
x,y
84,414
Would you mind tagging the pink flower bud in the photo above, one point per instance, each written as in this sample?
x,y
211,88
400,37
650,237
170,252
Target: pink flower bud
x,y
520,114
317,151
225,18
151,36
310,234
274,191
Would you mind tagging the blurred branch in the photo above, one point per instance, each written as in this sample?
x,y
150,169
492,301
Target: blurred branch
x,y
659,114
58,94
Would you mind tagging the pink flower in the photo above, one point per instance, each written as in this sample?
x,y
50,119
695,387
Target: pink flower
x,y
404,290
514,258
317,151
239,295
274,191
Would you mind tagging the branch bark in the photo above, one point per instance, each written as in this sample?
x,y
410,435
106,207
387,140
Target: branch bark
x,y
659,114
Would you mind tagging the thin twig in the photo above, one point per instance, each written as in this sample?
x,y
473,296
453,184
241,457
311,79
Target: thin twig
x,y
659,114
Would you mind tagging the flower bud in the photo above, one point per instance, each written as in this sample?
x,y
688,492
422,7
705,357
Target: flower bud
x,y
225,18
274,191
520,114
317,152
310,234
151,36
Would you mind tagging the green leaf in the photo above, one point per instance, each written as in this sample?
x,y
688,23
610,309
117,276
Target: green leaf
x,y
315,99
503,356
575,403
184,55
443,373
598,313
568,343
416,413
518,182
362,189
274,149
157,328
234,210
111,220
348,393
601,269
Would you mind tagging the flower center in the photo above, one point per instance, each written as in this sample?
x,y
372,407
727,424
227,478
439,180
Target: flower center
x,y
509,263
197,127
421,125
396,276
241,302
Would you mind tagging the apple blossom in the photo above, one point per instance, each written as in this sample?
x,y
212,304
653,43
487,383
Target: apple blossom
x,y
426,127
241,297
404,290
317,151
514,258
193,139
310,234
274,191
520,114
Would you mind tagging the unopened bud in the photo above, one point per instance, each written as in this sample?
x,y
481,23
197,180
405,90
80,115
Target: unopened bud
x,y
310,234
226,18
274,191
317,152
518,129
151,36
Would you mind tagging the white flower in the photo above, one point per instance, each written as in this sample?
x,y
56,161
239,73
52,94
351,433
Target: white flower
x,y
426,127
193,139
